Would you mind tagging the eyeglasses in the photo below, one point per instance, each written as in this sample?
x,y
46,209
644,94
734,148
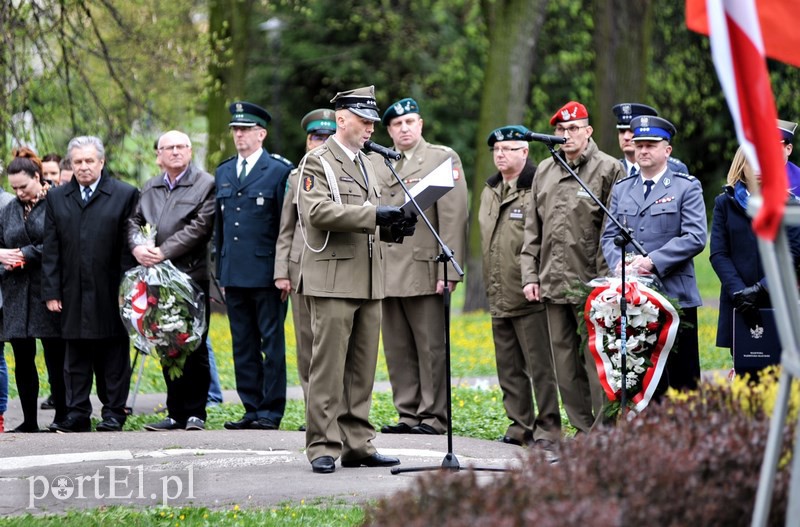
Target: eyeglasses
x,y
572,130
504,149
179,148
319,137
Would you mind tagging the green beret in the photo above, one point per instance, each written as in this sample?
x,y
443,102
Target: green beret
x,y
401,107
507,133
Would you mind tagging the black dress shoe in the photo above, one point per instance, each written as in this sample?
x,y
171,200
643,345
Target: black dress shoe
x,y
262,423
301,428
399,428
510,441
323,465
425,429
375,460
241,424
111,424
70,425
24,429
48,404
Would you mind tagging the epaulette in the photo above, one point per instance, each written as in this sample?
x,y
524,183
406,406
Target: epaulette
x,y
282,160
441,147
226,160
627,178
685,176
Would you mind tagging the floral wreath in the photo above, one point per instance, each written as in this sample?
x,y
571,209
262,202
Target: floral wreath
x,y
651,330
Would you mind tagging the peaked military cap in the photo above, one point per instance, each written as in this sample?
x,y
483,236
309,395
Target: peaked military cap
x,y
628,110
401,107
652,128
360,101
248,114
321,120
507,133
787,129
572,111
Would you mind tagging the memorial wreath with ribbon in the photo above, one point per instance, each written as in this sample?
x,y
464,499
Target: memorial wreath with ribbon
x,y
651,329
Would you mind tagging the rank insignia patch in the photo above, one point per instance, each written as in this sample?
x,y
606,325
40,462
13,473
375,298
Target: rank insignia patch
x,y
308,183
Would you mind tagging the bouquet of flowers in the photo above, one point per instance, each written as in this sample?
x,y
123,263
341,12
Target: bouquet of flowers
x,y
163,310
650,331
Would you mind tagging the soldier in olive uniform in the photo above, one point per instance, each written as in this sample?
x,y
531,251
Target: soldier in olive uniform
x,y
666,213
413,312
562,247
319,125
519,327
341,277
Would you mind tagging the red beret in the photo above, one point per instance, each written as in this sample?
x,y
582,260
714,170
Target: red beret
x,y
572,111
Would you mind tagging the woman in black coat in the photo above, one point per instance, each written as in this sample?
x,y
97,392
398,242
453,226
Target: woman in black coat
x,y
734,250
25,317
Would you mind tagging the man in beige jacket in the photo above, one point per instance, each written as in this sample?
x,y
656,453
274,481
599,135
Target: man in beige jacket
x,y
413,311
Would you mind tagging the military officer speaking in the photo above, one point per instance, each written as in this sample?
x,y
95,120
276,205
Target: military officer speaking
x,y
413,313
341,277
666,213
250,189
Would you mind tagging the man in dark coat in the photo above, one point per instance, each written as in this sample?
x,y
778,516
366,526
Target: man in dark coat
x,y
179,203
250,189
85,255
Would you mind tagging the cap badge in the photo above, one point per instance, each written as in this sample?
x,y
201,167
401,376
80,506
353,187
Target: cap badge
x,y
408,106
626,109
239,108
399,110
645,121
498,135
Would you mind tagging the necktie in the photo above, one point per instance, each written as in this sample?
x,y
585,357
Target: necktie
x,y
87,193
632,171
363,169
648,186
243,171
399,165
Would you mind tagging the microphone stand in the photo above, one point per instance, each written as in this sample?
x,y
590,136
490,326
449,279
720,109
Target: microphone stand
x,y
620,240
450,461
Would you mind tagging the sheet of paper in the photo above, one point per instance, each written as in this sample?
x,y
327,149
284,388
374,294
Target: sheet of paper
x,y
431,187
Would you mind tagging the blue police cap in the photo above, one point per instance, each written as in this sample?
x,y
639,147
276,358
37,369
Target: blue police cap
x,y
248,114
628,110
401,107
507,133
652,128
319,121
787,129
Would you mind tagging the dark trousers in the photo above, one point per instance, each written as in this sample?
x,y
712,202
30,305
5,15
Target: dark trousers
x,y
28,378
256,317
683,364
109,361
187,394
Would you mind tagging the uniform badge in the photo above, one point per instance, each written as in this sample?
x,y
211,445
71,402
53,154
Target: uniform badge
x,y
516,214
239,108
666,181
664,200
308,183
347,179
456,174
498,135
565,114
626,109
399,110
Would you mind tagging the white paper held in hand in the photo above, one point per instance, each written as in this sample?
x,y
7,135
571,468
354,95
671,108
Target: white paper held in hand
x,y
432,187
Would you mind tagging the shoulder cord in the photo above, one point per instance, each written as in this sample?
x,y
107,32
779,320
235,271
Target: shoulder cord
x,y
334,187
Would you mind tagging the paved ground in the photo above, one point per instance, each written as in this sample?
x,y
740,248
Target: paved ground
x,y
55,472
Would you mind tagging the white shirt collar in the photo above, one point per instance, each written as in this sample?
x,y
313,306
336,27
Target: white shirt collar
x,y
251,161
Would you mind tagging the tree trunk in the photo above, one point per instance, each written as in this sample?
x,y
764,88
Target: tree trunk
x,y
513,27
230,31
622,37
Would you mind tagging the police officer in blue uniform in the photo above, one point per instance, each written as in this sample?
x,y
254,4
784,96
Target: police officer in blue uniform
x,y
625,112
665,212
250,188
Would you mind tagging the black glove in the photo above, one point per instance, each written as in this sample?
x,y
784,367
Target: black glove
x,y
386,215
747,300
402,229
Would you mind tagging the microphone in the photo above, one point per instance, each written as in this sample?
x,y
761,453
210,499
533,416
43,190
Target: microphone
x,y
382,150
547,139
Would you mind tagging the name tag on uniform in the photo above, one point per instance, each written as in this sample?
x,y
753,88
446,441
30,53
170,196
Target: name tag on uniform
x,y
516,214
260,201
347,179
583,194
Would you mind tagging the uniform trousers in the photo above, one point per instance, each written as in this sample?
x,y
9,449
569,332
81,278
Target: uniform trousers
x,y
577,377
414,345
256,316
187,394
522,353
683,364
27,377
303,339
109,360
343,360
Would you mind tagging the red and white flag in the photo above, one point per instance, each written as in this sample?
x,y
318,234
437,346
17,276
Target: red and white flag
x,y
739,57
